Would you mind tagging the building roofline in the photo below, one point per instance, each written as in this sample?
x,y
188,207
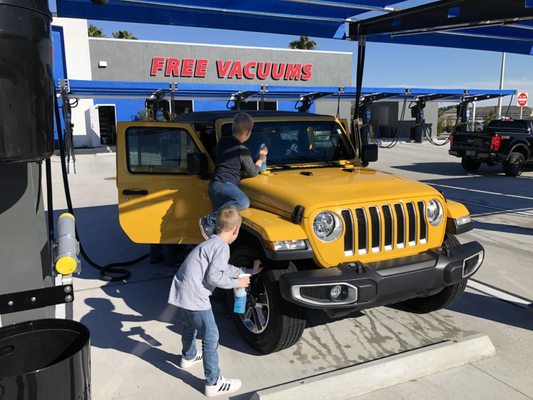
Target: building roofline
x,y
224,45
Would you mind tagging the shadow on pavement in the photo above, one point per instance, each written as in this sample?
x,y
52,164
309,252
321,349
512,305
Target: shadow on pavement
x,y
493,309
111,335
503,228
454,168
486,307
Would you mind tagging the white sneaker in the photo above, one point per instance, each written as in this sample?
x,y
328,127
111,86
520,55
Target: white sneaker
x,y
223,386
189,363
205,229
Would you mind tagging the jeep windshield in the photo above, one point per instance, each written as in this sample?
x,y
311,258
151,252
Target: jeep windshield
x,y
300,142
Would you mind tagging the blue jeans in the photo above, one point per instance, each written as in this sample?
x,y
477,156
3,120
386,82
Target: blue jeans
x,y
225,194
201,323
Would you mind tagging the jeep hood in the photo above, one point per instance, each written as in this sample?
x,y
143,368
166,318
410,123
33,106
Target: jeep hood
x,y
317,188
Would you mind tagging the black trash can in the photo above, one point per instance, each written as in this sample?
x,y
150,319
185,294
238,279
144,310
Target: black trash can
x,y
46,359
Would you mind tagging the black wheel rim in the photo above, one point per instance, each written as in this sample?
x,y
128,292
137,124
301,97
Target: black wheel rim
x,y
518,165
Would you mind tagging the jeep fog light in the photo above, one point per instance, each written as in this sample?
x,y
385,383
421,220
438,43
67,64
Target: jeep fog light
x,y
335,292
288,245
434,212
327,226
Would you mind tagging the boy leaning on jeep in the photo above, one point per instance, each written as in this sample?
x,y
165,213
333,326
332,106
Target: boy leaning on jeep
x,y
232,158
205,268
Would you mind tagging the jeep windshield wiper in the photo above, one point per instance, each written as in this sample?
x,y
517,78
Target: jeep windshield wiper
x,y
307,165
280,166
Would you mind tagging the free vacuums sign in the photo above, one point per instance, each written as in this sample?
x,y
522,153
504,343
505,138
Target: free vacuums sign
x,y
230,69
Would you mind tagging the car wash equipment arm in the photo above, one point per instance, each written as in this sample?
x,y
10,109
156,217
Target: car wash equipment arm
x,y
365,109
66,108
238,98
305,101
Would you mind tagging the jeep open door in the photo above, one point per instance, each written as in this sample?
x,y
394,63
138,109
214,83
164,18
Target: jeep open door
x,y
159,202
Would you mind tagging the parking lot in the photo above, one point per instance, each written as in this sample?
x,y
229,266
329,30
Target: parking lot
x,y
135,334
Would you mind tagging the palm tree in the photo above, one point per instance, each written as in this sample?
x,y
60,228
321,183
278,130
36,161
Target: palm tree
x,y
124,35
304,43
95,31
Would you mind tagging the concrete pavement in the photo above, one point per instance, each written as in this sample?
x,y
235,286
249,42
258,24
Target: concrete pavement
x,y
135,334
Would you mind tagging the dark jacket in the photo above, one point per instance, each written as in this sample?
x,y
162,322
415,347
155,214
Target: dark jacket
x,y
233,159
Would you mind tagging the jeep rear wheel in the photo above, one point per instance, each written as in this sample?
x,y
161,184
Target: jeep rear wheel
x,y
269,323
514,166
470,164
447,296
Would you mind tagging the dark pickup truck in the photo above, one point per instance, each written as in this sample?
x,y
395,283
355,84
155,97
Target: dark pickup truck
x,y
509,142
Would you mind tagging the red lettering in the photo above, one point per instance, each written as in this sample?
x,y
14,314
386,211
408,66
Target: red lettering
x,y
201,68
293,72
187,66
236,70
306,72
222,68
278,70
173,67
263,70
157,65
248,74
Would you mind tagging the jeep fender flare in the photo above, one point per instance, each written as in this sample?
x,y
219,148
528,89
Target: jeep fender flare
x,y
454,211
264,228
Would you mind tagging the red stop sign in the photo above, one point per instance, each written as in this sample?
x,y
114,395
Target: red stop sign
x,y
522,99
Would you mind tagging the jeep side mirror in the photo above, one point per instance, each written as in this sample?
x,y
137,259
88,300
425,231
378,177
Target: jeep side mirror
x,y
197,164
369,153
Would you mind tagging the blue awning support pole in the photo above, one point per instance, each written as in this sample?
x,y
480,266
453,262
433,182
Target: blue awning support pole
x,y
358,88
502,74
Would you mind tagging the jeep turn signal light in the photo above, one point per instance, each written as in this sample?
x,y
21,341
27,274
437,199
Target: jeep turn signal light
x,y
463,220
283,245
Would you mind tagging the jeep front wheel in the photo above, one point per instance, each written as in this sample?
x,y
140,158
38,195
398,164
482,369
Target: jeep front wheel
x,y
514,165
269,323
447,296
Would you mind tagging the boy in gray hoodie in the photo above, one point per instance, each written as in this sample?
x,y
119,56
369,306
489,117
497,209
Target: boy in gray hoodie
x,y
205,268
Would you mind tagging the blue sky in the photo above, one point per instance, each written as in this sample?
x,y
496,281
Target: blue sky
x,y
386,65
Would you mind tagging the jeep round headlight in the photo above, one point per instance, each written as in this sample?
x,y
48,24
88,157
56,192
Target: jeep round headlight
x,y
327,226
434,212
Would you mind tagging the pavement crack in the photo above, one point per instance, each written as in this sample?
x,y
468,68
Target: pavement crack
x,y
499,380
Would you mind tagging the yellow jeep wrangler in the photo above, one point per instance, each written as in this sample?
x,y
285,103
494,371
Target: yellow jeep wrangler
x,y
333,235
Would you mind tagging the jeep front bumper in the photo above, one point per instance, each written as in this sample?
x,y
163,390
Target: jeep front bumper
x,y
359,286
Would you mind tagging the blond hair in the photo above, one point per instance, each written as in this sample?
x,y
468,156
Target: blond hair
x,y
242,123
228,218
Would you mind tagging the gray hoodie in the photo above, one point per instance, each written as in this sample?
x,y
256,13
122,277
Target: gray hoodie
x,y
205,268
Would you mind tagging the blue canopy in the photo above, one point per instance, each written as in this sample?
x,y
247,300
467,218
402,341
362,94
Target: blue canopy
x,y
143,90
332,19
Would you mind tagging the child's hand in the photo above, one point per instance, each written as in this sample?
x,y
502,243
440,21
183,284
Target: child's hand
x,y
243,281
257,267
263,151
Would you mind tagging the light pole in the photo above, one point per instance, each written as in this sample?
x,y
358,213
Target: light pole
x,y
502,73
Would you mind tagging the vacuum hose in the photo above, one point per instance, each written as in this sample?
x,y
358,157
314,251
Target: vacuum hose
x,y
110,272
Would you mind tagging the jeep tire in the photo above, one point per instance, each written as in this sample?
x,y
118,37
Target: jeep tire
x,y
269,323
444,298
514,164
470,164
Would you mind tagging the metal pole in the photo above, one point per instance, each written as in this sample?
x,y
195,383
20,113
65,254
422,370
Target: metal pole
x,y
521,112
473,116
358,87
502,73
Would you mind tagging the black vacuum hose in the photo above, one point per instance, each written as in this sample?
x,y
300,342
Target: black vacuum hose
x,y
110,272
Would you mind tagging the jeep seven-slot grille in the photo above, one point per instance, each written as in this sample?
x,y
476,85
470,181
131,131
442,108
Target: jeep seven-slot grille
x,y
375,229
